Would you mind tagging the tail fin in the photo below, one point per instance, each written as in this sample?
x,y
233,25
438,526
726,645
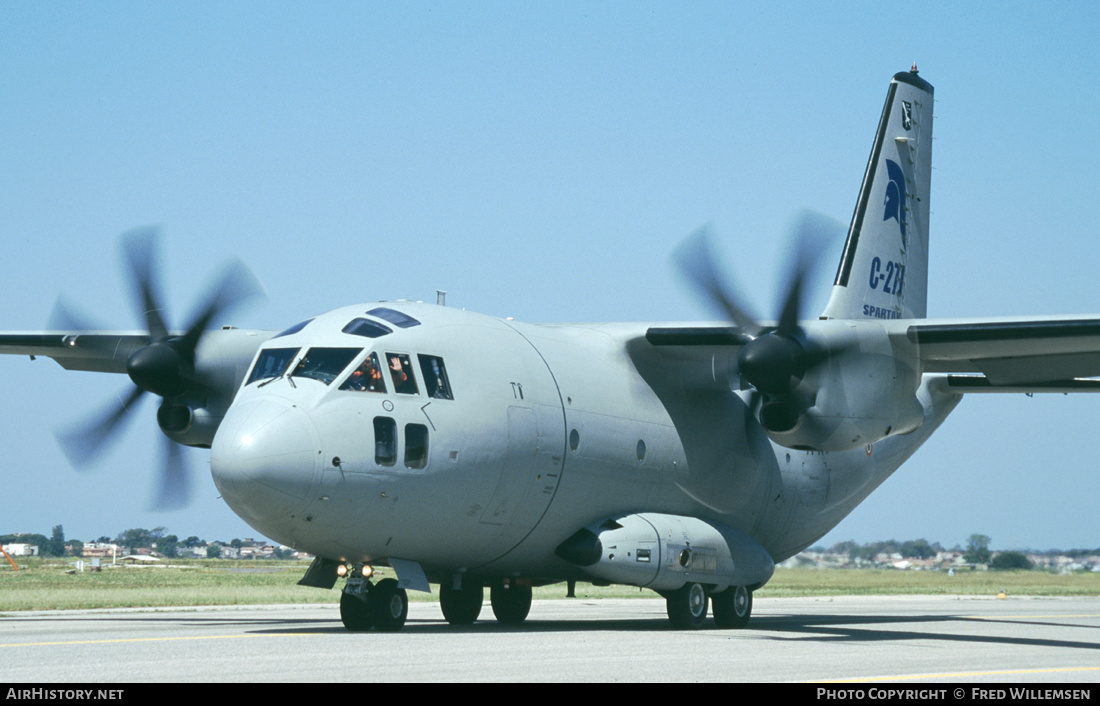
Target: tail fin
x,y
883,273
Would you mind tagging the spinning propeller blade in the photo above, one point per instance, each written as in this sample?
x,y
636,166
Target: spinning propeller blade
x,y
164,366
777,358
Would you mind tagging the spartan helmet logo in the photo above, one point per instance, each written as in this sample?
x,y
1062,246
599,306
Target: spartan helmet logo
x,y
895,197
907,115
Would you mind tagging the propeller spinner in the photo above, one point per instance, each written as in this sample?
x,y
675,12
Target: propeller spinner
x,y
163,366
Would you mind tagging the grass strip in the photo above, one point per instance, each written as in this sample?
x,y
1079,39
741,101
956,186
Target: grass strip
x,y
53,585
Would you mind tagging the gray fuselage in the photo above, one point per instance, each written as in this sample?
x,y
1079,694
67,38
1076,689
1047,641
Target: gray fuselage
x,y
546,430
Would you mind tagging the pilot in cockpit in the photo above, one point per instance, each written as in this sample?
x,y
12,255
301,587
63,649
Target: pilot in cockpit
x,y
367,377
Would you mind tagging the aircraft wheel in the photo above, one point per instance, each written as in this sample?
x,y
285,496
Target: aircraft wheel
x,y
461,606
511,604
687,607
732,607
388,605
355,613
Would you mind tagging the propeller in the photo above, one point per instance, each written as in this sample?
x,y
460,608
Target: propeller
x,y
163,365
776,358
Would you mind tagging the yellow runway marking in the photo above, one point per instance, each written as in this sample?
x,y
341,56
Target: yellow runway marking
x,y
145,639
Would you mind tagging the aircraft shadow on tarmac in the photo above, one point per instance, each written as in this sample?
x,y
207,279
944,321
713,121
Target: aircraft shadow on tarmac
x,y
822,628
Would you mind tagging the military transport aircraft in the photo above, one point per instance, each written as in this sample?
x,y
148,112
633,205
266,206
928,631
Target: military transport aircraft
x,y
472,452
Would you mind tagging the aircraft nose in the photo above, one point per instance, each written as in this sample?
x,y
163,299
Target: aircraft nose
x,y
265,461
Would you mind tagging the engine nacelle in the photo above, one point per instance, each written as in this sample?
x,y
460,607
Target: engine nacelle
x,y
865,392
190,426
221,361
664,552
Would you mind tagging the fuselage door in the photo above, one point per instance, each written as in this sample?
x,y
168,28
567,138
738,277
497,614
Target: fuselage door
x,y
530,473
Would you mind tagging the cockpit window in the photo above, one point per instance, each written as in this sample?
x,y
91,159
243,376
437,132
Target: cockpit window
x,y
435,377
366,327
402,374
367,377
293,329
325,364
272,363
394,317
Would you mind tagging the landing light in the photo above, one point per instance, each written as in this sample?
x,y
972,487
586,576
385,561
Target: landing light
x,y
342,570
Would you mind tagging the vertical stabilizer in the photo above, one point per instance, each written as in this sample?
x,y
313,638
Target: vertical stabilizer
x,y
883,273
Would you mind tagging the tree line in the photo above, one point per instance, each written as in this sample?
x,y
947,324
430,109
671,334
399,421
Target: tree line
x,y
168,545
976,551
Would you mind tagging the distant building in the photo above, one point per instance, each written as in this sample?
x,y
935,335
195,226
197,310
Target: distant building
x,y
21,549
102,550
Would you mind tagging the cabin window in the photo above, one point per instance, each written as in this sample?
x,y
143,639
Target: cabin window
x,y
325,364
402,374
416,445
272,363
366,327
436,384
367,377
394,317
385,441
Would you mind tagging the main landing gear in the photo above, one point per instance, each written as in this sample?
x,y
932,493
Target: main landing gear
x,y
461,606
511,602
687,606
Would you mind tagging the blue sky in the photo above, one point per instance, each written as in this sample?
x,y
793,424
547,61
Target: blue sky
x,y
540,161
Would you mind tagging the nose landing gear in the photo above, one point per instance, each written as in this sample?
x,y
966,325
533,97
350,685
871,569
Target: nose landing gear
x,y
363,605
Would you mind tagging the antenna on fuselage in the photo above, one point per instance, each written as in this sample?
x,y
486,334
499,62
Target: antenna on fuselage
x,y
440,297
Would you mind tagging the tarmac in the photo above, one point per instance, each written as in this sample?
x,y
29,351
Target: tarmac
x,y
910,640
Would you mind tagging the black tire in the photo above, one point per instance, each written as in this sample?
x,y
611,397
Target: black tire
x,y
354,613
732,607
511,604
388,605
687,606
461,606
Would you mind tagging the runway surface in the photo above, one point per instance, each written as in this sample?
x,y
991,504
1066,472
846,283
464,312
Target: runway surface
x,y
903,639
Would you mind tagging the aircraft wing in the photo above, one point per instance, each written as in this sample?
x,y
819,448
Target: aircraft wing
x,y
1045,354
1049,354
100,351
693,336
